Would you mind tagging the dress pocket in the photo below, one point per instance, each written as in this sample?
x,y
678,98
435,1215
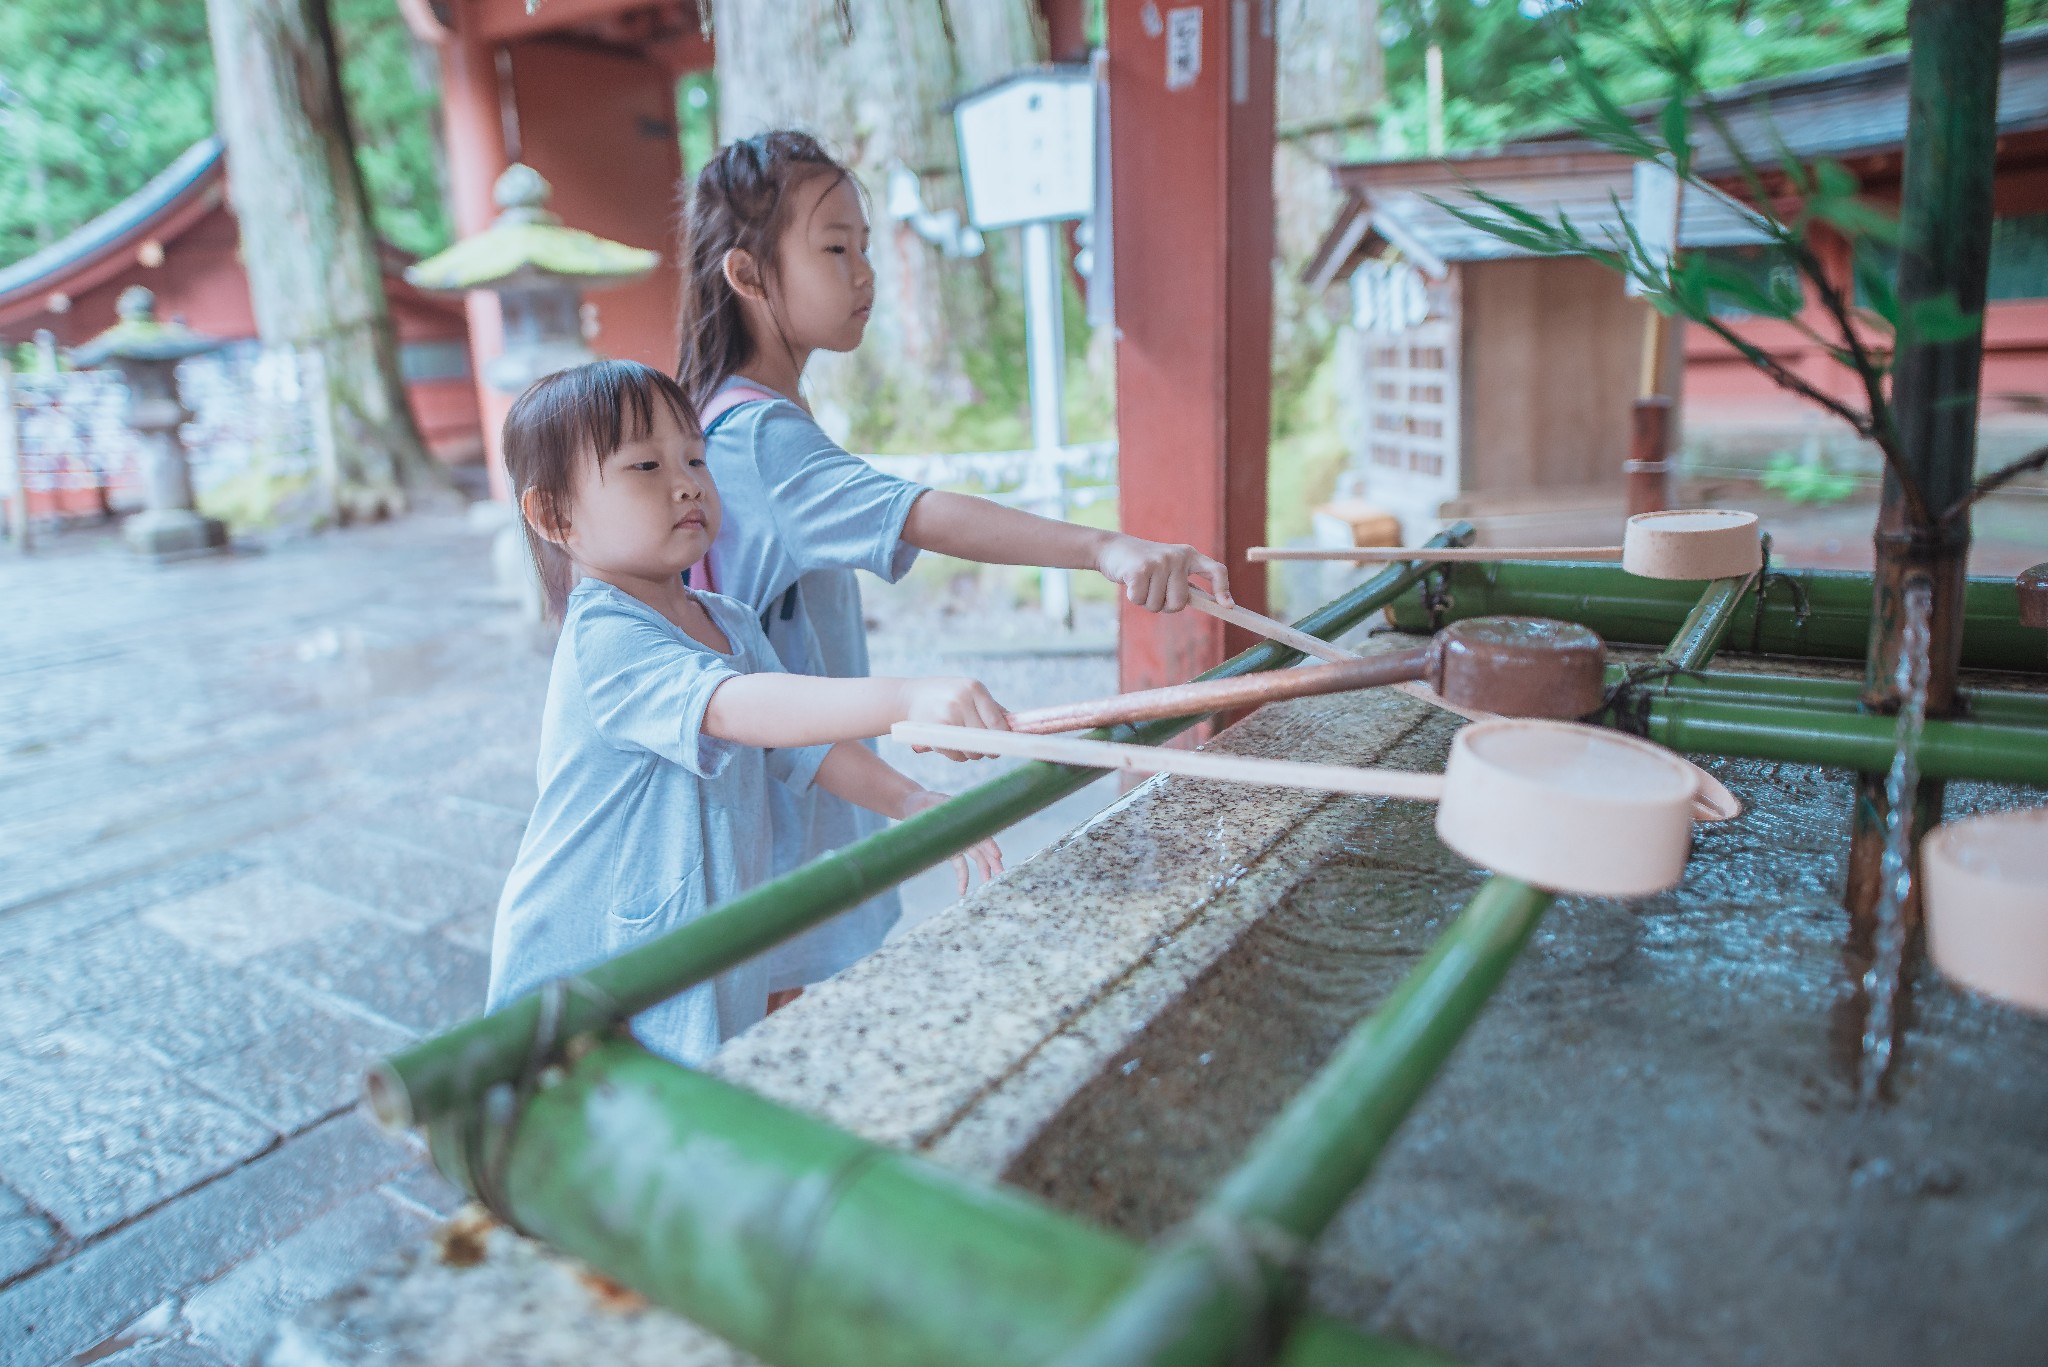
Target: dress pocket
x,y
661,907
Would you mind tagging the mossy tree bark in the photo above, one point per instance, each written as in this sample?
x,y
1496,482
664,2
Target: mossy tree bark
x,y
878,98
308,245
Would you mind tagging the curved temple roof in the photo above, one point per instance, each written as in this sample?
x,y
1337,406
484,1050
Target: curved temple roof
x,y
200,168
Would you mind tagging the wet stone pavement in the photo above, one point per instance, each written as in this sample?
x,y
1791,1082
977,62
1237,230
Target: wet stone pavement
x,y
254,815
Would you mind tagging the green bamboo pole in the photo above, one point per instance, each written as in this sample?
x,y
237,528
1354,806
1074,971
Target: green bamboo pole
x,y
456,1068
1948,168
1861,741
802,1244
1629,610
2002,706
1203,1296
1706,626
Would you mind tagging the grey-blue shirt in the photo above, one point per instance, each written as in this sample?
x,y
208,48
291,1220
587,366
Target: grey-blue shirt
x,y
802,513
643,822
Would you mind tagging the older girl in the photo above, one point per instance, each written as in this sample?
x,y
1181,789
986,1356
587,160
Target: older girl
x,y
775,268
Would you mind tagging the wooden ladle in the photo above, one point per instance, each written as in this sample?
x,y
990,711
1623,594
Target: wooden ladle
x,y
1712,801
1512,666
1561,805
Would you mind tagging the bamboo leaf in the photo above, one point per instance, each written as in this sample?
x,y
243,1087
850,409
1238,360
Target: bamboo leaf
x,y
1675,125
1876,283
1933,321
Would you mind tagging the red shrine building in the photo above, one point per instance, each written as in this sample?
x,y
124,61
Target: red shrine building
x,y
177,236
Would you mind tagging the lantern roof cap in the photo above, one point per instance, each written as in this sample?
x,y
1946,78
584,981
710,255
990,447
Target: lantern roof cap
x,y
138,336
529,246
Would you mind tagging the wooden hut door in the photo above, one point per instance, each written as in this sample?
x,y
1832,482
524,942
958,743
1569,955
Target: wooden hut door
x,y
1409,327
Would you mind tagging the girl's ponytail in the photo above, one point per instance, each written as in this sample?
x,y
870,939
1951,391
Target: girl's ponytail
x,y
740,203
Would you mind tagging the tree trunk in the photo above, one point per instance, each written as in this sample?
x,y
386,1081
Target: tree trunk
x,y
308,245
1328,81
879,100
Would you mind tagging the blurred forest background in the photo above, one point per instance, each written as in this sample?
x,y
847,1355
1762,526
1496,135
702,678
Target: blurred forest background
x,y
97,96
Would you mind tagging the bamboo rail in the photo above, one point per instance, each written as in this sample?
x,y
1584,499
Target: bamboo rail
x,y
1821,614
1195,1303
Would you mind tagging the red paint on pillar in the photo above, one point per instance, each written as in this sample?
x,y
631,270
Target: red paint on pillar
x,y
601,126
1066,29
1192,163
473,124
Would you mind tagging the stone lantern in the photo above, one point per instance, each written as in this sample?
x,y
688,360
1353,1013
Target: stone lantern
x,y
539,270
147,352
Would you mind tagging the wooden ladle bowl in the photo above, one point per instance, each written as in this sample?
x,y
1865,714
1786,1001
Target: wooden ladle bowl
x,y
1987,904
1568,807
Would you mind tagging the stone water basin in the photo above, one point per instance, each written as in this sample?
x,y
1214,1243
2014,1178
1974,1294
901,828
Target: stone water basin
x,y
1647,1150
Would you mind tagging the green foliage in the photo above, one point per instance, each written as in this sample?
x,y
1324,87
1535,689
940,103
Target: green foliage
x,y
394,103
97,96
1505,74
1862,332
697,120
1308,451
1801,481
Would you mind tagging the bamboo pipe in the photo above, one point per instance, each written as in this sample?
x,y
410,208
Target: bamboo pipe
x,y
1194,1302
1149,759
1444,555
803,1245
1820,613
1219,695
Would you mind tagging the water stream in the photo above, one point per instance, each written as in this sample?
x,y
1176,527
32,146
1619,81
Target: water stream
x,y
1895,872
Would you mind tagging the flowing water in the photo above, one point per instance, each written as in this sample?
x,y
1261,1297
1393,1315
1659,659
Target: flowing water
x,y
1895,874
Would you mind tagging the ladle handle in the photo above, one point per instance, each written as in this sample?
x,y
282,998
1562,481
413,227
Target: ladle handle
x,y
1265,626
1216,695
1152,759
1434,555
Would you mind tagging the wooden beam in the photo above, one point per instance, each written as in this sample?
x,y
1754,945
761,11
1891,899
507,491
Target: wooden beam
x,y
1191,130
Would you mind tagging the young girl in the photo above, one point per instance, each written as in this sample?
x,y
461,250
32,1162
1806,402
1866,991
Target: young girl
x,y
775,268
667,713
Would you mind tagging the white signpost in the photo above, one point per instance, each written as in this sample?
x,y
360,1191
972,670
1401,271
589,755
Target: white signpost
x,y
1027,153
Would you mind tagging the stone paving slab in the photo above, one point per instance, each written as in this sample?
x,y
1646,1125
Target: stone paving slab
x,y
73,1305
95,1132
421,982
26,1235
399,881
234,1315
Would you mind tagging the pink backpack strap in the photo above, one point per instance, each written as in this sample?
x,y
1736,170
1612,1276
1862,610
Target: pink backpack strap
x,y
699,576
729,398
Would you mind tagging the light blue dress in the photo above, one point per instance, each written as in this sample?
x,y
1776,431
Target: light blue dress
x,y
644,822
801,514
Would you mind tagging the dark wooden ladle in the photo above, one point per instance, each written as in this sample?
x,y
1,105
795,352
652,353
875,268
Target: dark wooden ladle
x,y
2032,586
1512,666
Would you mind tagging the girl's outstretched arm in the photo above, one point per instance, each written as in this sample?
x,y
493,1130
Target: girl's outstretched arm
x,y
783,711
856,773
1154,574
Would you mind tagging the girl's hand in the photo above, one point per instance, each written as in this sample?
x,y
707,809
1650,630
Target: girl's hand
x,y
953,702
1155,575
987,856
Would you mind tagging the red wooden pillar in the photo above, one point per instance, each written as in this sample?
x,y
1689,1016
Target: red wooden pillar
x,y
1191,157
473,122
